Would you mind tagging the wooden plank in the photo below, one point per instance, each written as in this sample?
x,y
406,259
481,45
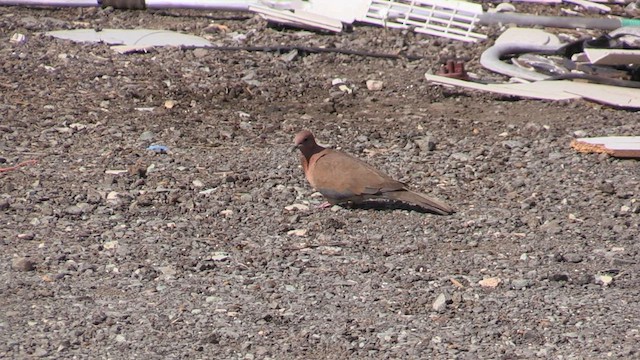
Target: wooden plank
x,y
538,90
617,146
616,96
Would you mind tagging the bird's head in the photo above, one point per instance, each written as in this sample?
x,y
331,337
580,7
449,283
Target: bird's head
x,y
304,140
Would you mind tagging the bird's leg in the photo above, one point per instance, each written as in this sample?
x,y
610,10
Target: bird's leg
x,y
324,205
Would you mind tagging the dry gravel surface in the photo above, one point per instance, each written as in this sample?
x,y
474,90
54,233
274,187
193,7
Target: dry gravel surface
x,y
216,248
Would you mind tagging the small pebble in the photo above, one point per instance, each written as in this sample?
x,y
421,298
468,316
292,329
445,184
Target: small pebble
x,y
441,302
572,258
23,264
559,277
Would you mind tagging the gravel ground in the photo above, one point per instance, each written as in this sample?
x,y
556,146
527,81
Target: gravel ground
x,y
216,249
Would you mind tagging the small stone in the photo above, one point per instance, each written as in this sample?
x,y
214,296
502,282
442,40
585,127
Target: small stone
x,y
26,236
583,279
98,318
290,56
147,135
559,277
197,183
110,245
512,144
298,207
23,264
293,219
246,198
169,104
112,196
212,299
167,270
330,250
120,338
199,53
298,232
441,302
579,133
41,352
572,257
374,85
492,282
74,210
460,157
220,256
425,143
607,188
520,284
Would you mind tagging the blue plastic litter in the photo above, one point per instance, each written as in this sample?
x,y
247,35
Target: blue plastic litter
x,y
160,149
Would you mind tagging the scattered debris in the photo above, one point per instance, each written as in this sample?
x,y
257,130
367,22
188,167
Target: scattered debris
x,y
17,38
110,245
457,283
116,172
590,5
604,279
616,146
132,39
207,191
454,69
160,149
220,256
19,165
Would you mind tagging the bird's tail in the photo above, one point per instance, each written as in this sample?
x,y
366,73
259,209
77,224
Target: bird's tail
x,y
428,203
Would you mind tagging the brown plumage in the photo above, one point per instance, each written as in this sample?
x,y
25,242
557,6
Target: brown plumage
x,y
340,178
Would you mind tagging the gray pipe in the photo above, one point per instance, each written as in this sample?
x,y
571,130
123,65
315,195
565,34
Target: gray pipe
x,y
567,22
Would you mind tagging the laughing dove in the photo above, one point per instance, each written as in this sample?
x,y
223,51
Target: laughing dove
x,y
341,178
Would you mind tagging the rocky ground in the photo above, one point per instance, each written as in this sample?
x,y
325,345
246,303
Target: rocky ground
x,y
215,249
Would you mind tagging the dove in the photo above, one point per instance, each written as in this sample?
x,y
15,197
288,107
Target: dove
x,y
342,178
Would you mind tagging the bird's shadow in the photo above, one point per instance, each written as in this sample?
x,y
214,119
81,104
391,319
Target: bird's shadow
x,y
387,205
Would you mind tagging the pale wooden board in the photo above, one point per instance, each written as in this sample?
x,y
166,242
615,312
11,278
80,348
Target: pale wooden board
x,y
605,94
618,146
554,90
535,90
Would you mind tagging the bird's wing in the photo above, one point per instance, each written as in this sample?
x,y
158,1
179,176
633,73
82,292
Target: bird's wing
x,y
341,176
